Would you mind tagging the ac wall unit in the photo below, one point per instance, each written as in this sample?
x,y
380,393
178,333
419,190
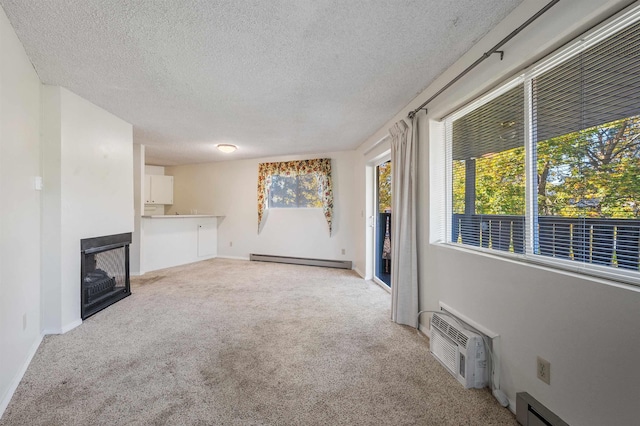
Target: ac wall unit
x,y
462,352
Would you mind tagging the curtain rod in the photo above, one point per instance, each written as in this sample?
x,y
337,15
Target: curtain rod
x,y
494,49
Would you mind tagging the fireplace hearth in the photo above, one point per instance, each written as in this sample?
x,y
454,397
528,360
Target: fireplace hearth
x,y
105,272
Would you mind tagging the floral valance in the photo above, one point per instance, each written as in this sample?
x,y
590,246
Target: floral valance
x,y
321,167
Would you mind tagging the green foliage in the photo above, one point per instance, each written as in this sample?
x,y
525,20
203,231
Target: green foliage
x,y
499,186
594,172
591,173
459,178
295,191
384,187
500,183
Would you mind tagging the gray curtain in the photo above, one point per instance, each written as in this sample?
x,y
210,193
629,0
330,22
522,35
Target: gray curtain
x,y
404,258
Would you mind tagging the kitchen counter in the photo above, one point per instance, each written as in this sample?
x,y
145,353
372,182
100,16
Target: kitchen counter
x,y
179,240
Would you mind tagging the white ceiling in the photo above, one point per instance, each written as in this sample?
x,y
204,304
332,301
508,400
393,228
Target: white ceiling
x,y
272,77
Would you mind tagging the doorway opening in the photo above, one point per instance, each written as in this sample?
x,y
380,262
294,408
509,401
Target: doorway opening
x,y
382,252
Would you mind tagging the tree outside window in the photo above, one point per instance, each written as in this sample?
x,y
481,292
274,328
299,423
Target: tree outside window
x,y
384,187
301,191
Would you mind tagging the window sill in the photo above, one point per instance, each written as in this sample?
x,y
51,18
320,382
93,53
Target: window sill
x,y
609,278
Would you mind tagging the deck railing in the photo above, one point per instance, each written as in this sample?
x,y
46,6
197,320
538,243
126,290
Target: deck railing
x,y
609,242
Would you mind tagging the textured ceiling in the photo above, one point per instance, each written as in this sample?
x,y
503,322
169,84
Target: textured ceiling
x,y
272,77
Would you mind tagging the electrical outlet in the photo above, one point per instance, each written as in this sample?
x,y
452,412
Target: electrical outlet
x,y
344,251
24,321
230,243
544,370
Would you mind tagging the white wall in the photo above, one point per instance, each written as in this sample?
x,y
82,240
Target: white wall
x,y
19,211
50,249
193,189
230,188
587,328
154,170
364,202
88,192
136,251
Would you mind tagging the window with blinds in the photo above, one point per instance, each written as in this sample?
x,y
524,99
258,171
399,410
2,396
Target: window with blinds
x,y
581,148
488,176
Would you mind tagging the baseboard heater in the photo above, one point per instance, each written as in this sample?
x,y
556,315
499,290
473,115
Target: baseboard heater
x,y
342,264
530,412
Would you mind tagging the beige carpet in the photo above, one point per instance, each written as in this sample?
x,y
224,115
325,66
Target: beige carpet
x,y
226,342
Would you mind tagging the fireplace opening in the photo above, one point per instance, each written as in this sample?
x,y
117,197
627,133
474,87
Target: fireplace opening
x,y
104,271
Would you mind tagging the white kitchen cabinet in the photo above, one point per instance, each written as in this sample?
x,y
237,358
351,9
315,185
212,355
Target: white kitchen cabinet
x,y
147,189
158,189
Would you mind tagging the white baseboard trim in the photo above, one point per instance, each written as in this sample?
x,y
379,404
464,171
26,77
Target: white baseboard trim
x,y
63,329
234,257
71,325
359,272
424,328
18,377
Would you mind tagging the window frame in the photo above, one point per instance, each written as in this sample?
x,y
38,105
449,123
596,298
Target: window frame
x,y
600,32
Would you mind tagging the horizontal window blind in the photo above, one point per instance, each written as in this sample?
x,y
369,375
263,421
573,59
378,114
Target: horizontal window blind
x,y
496,126
597,86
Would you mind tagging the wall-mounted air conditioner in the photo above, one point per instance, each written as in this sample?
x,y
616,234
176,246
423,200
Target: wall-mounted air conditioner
x,y
462,352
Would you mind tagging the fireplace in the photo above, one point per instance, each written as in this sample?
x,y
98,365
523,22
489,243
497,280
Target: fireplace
x,y
104,272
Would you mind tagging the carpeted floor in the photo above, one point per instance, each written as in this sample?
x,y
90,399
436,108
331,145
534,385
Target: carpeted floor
x,y
228,342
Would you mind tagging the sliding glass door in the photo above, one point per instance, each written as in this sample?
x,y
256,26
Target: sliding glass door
x,y
382,252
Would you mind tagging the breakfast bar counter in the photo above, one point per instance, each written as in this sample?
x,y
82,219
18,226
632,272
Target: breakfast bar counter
x,y
172,240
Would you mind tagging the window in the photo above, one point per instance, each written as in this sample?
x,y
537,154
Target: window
x,y
302,191
384,187
571,125
297,184
488,174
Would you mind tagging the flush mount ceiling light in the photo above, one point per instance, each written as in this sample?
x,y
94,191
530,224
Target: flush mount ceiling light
x,y
226,148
